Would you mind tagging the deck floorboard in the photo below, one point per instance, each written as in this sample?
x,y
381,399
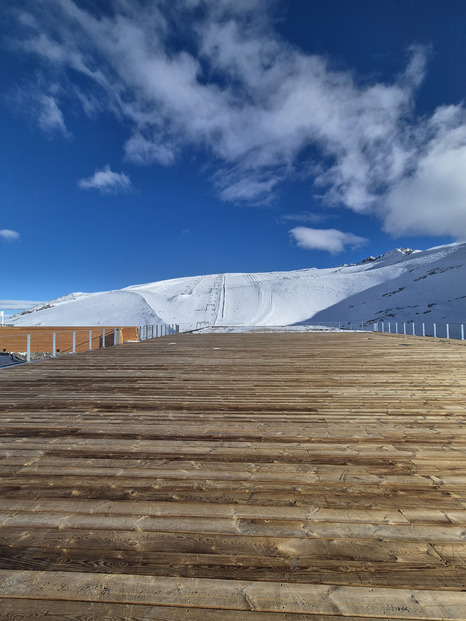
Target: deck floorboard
x,y
303,476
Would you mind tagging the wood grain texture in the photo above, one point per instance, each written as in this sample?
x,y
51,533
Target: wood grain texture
x,y
237,476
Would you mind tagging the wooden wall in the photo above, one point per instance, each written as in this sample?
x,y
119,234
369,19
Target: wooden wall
x,y
14,339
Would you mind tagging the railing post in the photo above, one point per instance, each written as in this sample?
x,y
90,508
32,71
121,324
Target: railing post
x,y
103,338
115,336
28,348
462,331
74,341
383,326
435,329
423,329
90,340
404,327
414,330
448,331
389,328
54,345
396,327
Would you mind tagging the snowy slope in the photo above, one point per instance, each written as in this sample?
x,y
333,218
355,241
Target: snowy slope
x,y
401,285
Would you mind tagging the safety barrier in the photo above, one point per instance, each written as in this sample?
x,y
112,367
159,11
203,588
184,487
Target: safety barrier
x,y
438,330
157,330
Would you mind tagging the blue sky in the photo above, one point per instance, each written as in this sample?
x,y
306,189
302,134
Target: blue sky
x,y
150,139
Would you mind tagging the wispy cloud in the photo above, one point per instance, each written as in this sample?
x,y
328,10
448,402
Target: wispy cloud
x,y
330,240
40,104
313,218
106,182
9,235
232,86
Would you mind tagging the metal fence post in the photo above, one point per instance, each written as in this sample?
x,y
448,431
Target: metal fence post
x,y
435,329
423,329
103,338
448,331
54,345
28,348
462,331
90,340
396,327
74,341
414,330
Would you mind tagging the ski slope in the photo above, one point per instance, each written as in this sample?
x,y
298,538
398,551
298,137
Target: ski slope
x,y
401,285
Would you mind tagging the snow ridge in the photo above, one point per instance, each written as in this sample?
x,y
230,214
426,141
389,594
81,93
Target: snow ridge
x,y
400,285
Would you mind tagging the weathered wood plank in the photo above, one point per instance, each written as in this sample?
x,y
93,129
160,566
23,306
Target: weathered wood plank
x,y
235,595
234,474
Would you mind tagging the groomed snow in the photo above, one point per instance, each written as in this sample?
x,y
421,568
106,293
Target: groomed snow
x,y
401,285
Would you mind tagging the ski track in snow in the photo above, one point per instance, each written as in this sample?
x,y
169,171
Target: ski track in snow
x,y
399,286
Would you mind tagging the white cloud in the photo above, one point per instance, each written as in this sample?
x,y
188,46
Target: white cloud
x,y
106,181
9,235
432,200
330,240
233,87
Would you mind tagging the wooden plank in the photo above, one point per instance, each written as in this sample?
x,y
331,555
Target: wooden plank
x,y
445,532
242,545
203,509
235,595
423,573
15,609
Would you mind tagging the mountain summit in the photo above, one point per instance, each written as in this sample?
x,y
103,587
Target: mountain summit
x,y
400,285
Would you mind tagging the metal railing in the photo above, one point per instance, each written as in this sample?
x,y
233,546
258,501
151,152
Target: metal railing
x,y
450,330
25,344
437,330
157,330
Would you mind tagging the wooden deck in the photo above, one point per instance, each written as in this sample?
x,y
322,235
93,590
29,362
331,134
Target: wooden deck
x,y
237,476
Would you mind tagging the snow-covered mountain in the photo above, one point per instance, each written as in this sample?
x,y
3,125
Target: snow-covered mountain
x,y
401,285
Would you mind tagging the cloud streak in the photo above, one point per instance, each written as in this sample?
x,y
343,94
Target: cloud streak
x,y
9,235
106,182
214,75
329,240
